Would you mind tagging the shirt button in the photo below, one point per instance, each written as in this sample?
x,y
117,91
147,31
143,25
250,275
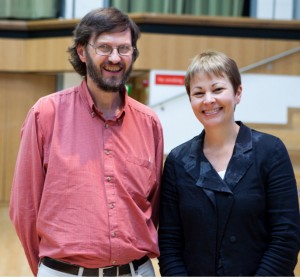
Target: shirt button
x,y
106,125
107,152
113,234
108,179
233,239
114,262
111,205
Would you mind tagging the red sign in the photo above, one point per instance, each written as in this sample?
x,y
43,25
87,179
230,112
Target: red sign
x,y
169,80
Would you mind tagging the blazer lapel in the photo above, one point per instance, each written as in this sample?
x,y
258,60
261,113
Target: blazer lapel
x,y
242,157
205,176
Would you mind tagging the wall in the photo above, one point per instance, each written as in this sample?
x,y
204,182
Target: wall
x,y
18,92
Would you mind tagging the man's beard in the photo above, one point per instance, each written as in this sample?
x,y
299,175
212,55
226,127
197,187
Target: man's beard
x,y
109,85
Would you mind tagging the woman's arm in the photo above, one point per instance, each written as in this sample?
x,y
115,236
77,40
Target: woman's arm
x,y
170,230
280,258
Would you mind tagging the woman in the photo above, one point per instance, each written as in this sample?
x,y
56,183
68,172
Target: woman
x,y
229,204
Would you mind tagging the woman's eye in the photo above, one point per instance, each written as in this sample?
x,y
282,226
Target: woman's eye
x,y
218,90
198,94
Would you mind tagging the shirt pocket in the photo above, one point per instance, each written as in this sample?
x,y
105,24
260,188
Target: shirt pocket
x,y
138,177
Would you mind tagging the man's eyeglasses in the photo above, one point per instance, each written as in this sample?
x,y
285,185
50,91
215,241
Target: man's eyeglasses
x,y
123,50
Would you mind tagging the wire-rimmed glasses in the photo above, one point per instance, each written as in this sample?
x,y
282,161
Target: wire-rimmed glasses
x,y
105,49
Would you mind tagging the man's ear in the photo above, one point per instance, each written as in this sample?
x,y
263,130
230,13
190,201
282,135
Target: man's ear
x,y
81,52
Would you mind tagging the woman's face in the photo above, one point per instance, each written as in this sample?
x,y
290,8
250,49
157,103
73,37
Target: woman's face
x,y
213,99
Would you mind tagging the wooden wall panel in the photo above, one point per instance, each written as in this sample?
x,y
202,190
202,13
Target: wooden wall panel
x,y
35,55
288,65
14,57
18,92
157,51
174,52
48,55
2,143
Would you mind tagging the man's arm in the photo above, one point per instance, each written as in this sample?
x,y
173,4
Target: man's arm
x,y
27,188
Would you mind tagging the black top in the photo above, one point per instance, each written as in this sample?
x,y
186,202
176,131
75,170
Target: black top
x,y
247,224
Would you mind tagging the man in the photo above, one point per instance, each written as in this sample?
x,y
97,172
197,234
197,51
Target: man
x,y
85,193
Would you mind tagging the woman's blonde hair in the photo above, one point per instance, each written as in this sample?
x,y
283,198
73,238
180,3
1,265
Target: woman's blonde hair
x,y
216,63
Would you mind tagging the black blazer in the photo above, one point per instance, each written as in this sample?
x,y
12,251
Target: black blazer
x,y
245,225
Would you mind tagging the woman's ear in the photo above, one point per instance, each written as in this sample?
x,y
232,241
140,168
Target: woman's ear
x,y
238,94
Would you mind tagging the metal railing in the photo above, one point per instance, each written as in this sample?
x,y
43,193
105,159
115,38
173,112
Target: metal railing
x,y
270,59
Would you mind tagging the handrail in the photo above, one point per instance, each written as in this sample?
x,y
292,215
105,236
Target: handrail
x,y
270,59
242,70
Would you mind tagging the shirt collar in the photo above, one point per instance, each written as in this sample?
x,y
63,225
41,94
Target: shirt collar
x,y
86,96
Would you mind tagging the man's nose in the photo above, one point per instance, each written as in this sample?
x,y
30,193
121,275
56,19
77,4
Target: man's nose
x,y
114,56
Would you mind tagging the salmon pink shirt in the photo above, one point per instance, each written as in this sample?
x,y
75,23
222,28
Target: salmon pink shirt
x,y
86,189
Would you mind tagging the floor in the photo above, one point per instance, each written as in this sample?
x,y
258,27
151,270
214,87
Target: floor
x,y
12,259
